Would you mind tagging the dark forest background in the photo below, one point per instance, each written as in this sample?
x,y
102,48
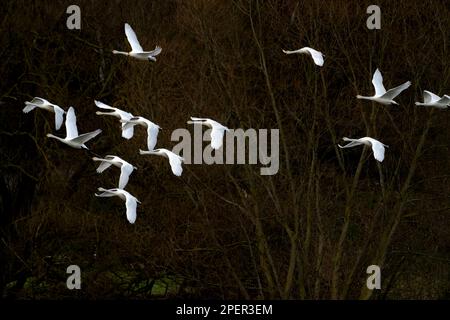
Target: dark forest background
x,y
225,231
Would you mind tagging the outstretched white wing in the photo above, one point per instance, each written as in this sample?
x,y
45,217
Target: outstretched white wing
x,y
429,96
445,100
127,125
131,204
392,93
175,162
59,116
71,124
155,51
125,170
103,164
29,107
132,39
217,137
124,114
316,55
85,137
127,132
377,81
152,136
378,150
39,101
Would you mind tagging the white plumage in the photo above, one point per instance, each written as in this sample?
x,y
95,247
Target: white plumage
x,y
175,160
152,129
217,130
120,114
130,201
381,95
136,49
125,168
432,100
377,146
316,55
72,138
44,104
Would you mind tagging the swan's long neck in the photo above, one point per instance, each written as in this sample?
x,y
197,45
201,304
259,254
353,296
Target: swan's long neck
x,y
121,52
105,113
364,97
55,137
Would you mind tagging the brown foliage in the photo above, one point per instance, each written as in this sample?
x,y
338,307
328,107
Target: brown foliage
x,y
225,231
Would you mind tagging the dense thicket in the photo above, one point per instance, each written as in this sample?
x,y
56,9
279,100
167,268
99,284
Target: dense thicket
x,y
225,231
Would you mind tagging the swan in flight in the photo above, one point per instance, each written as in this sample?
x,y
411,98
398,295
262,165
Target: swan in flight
x,y
377,146
125,168
217,130
316,55
130,201
72,138
136,50
115,112
381,95
432,100
44,104
175,160
152,129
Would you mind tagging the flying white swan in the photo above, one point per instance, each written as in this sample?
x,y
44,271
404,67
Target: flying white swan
x,y
381,95
72,138
432,100
152,129
122,115
44,104
175,160
136,50
377,146
217,130
316,55
125,168
130,201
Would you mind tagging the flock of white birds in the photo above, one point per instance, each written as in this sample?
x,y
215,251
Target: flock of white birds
x,y
129,121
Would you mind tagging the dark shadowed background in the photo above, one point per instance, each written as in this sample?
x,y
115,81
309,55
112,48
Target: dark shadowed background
x,y
225,231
